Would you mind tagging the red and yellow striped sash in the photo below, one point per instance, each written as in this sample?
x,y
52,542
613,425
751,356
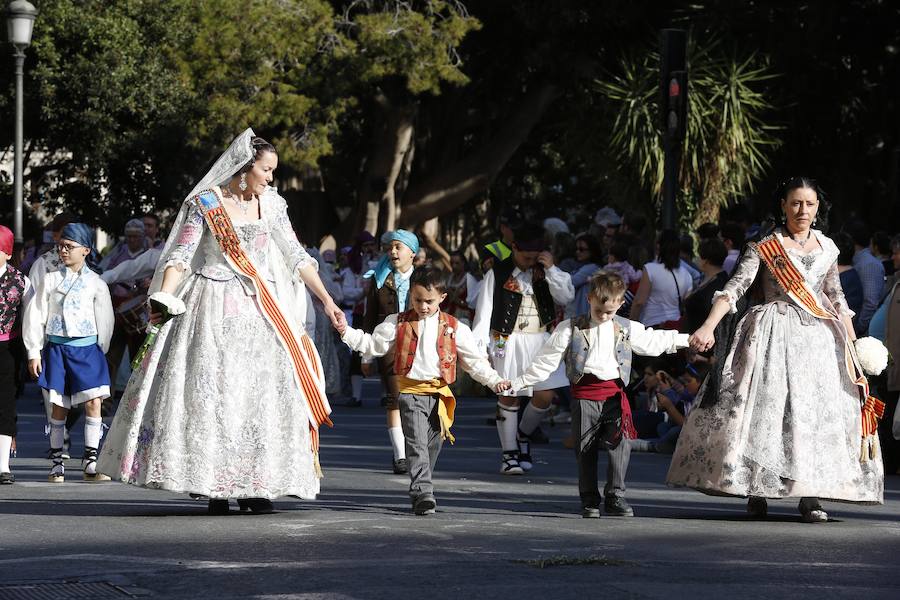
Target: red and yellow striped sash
x,y
792,282
303,355
790,279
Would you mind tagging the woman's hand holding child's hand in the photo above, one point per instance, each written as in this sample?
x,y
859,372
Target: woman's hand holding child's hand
x,y
503,386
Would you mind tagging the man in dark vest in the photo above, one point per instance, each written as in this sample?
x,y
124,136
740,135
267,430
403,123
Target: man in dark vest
x,y
515,308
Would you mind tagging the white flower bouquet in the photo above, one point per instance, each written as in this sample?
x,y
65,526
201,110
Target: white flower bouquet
x,y
873,356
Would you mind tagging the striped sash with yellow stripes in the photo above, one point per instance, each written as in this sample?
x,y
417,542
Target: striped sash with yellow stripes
x,y
792,282
307,370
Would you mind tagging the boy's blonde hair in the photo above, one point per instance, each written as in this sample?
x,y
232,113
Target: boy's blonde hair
x,y
607,286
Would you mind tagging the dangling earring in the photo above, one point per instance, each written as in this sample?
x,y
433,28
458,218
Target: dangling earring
x,y
243,183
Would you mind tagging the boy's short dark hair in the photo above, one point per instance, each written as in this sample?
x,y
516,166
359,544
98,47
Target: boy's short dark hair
x,y
734,233
607,286
713,251
707,231
429,277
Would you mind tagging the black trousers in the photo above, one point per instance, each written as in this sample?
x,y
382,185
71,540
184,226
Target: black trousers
x,y
7,390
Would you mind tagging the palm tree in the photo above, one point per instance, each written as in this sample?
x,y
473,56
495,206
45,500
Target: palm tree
x,y
728,140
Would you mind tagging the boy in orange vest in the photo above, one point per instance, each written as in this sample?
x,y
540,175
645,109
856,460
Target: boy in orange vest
x,y
424,371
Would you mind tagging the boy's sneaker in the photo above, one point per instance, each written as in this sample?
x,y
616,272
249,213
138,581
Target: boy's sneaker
x,y
524,456
401,466
7,478
510,464
424,505
590,512
616,506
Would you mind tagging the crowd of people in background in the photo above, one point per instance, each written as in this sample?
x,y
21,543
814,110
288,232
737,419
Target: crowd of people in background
x,y
670,280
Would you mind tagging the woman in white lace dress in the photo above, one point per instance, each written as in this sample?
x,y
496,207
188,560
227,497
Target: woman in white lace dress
x,y
783,419
224,405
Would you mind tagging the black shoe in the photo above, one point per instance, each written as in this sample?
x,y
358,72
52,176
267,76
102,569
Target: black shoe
x,y
424,505
353,403
524,456
590,512
757,507
7,478
217,508
401,467
616,506
258,506
538,437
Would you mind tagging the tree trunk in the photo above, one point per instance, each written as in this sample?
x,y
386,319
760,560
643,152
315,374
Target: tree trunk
x,y
376,198
450,187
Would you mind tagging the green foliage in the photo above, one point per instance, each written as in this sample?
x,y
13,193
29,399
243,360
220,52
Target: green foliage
x,y
416,41
728,141
127,101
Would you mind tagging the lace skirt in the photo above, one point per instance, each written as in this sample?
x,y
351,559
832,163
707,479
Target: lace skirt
x,y
787,422
214,409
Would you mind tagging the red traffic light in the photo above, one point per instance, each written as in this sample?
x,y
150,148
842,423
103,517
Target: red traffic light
x,y
674,88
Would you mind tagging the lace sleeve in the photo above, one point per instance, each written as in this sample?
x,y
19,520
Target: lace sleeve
x,y
294,253
188,239
741,280
831,286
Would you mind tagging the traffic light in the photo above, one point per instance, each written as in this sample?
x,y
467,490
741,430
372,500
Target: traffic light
x,y
676,106
673,83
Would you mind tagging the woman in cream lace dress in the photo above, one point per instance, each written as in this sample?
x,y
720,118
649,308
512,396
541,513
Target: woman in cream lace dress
x,y
216,409
784,419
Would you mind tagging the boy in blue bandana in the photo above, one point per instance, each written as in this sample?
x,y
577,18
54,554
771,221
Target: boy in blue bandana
x,y
67,328
390,295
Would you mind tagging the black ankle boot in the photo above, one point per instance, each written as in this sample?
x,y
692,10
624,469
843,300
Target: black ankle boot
x,y
258,506
217,507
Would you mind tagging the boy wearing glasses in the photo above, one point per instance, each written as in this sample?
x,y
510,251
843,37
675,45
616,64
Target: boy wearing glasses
x,y
66,330
597,348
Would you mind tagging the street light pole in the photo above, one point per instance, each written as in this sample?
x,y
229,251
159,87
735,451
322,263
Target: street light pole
x,y
20,16
19,54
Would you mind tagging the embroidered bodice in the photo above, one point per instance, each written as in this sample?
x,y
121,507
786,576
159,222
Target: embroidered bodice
x,y
819,269
196,242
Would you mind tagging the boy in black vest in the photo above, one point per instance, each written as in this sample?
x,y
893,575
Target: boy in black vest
x,y
426,344
515,307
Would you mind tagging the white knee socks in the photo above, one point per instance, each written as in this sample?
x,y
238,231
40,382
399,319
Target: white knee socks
x,y
398,442
92,431
5,445
506,427
57,432
531,418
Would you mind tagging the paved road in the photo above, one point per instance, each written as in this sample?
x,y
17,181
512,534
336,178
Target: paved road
x,y
493,537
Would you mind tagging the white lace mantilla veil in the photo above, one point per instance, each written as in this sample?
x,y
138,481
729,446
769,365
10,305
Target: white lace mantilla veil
x,y
230,162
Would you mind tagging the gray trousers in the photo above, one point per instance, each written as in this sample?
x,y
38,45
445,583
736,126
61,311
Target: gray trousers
x,y
422,430
585,421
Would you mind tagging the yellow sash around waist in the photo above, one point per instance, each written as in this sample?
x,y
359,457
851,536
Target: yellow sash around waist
x,y
431,387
